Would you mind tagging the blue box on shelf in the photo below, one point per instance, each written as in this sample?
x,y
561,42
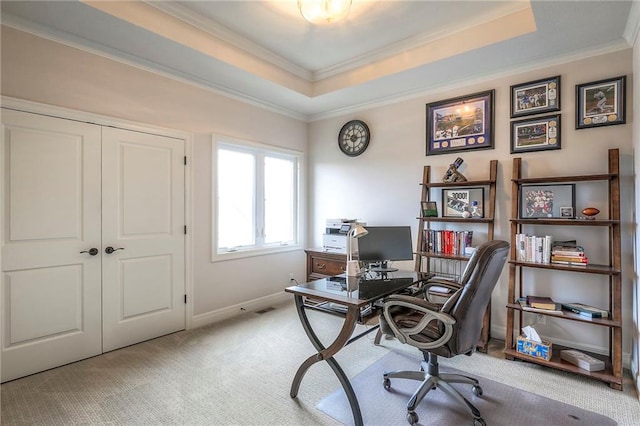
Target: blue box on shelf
x,y
534,349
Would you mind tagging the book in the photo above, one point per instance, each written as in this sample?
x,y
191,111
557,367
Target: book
x,y
541,302
582,360
581,259
525,307
567,253
567,263
586,310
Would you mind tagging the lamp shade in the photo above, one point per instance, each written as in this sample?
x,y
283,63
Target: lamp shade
x,y
324,11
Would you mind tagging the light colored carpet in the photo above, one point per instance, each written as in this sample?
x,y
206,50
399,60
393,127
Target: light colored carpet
x,y
239,372
500,405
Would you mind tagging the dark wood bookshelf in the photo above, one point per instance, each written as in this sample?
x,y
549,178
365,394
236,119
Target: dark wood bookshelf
x,y
612,374
424,223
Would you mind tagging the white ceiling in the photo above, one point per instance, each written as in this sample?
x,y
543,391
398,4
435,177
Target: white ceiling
x,y
265,53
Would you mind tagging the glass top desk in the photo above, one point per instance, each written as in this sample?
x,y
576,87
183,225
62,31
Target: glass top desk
x,y
352,293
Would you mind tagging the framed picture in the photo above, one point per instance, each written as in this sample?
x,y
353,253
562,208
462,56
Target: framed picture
x,y
535,97
535,134
601,103
567,213
429,209
547,201
460,124
456,201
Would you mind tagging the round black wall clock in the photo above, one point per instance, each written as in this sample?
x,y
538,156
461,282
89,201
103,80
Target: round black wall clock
x,y
354,138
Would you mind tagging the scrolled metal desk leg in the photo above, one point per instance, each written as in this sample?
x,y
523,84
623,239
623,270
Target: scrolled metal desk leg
x,y
326,354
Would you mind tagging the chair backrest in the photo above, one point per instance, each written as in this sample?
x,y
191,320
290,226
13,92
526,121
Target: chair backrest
x,y
469,304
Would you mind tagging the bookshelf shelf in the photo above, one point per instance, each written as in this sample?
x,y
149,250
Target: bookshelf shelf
x,y
612,374
423,256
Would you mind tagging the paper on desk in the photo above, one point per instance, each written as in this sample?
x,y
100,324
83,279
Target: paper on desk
x,y
531,334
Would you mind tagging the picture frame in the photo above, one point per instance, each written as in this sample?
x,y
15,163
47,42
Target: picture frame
x,y
547,201
460,124
536,134
429,209
567,213
601,103
535,97
456,200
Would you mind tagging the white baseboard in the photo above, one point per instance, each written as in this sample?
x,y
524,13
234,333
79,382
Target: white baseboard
x,y
239,309
501,332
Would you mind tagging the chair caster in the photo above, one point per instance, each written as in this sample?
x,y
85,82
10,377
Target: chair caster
x,y
477,390
386,383
412,417
479,422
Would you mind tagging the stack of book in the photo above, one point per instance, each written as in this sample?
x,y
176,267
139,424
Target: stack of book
x,y
568,253
586,310
540,304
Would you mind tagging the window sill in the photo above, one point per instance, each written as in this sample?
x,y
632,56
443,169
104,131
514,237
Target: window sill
x,y
242,254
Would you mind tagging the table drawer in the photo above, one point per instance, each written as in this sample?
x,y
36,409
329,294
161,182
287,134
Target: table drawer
x,y
325,266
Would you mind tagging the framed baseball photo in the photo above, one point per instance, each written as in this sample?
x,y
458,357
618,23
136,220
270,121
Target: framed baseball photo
x,y
535,97
460,124
601,103
535,134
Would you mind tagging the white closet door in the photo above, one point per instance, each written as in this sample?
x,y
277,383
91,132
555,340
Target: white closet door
x,y
51,301
143,218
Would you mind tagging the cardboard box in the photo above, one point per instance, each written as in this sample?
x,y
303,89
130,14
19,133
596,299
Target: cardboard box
x,y
534,349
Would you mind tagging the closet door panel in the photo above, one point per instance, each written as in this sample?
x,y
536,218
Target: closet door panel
x,y
51,292
143,218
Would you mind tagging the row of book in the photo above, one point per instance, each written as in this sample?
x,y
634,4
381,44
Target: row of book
x,y
546,305
446,241
537,249
533,249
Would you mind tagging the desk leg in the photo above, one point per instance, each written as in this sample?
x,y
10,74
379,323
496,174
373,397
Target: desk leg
x,y
326,354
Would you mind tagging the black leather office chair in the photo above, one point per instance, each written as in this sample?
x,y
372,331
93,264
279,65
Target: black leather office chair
x,y
448,329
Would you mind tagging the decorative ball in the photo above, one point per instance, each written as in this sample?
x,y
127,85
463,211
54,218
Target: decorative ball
x,y
466,214
590,212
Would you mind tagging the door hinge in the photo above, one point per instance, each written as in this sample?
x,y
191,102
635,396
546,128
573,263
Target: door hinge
x,y
185,298
185,160
185,230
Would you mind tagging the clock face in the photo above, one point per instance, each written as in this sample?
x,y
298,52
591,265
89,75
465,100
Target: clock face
x,y
354,138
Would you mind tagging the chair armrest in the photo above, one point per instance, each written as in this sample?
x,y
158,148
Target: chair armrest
x,y
438,282
430,313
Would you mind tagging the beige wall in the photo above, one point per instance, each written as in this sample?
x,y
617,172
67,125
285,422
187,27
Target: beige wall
x,y
635,328
381,185
39,70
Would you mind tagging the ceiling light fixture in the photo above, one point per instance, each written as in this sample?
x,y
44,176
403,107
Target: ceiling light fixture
x,y
324,11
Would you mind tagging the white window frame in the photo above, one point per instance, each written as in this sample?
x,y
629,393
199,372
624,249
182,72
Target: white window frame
x,y
260,149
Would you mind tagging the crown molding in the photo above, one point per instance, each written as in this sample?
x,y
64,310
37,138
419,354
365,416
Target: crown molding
x,y
139,63
633,24
221,32
533,65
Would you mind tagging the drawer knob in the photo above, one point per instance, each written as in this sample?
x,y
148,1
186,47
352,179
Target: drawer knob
x,y
321,265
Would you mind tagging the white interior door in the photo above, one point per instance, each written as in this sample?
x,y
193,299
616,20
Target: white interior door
x,y
51,300
143,219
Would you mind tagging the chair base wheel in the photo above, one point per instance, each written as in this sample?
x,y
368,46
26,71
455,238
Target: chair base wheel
x,y
412,417
479,422
386,383
477,390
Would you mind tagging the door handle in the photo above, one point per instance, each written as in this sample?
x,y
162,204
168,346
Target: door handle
x,y
92,251
110,249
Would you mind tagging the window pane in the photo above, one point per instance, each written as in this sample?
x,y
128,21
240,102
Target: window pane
x,y
236,195
280,200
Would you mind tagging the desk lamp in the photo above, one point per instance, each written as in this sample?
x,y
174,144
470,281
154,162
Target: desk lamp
x,y
353,266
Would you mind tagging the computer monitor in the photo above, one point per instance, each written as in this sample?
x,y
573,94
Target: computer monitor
x,y
383,244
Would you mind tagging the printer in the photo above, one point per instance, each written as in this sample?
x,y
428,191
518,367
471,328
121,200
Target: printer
x,y
334,239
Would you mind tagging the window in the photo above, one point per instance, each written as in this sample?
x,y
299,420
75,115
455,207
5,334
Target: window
x,y
256,199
